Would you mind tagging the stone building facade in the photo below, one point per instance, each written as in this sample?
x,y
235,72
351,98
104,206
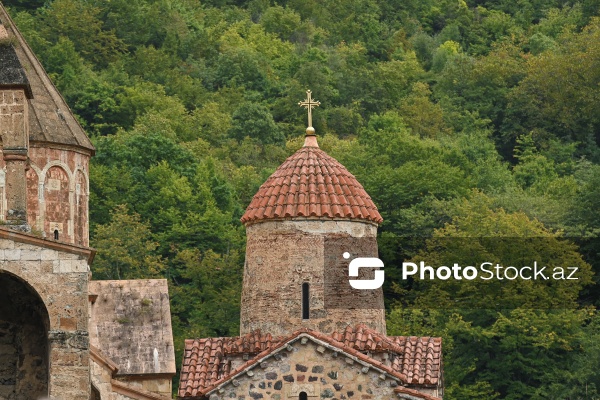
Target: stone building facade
x,y
130,330
305,332
43,318
42,144
303,248
63,336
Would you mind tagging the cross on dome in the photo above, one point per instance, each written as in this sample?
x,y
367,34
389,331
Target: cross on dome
x,y
309,104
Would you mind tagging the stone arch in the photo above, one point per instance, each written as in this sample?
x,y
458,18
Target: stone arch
x,y
56,163
24,346
80,217
57,201
2,193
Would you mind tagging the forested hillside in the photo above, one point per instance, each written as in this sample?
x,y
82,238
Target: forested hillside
x,y
460,118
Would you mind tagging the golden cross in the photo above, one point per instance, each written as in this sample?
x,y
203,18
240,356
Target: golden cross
x,y
309,104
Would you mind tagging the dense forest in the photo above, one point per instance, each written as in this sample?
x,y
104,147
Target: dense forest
x,y
473,118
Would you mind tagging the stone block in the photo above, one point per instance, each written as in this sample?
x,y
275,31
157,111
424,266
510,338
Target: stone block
x,y
7,244
31,255
48,255
12,255
68,324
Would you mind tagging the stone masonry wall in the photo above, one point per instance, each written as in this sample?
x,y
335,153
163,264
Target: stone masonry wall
x,y
158,385
62,177
14,132
307,366
57,190
282,255
60,278
13,118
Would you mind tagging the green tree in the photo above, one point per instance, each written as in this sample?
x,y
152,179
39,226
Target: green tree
x,y
255,121
561,96
80,22
125,249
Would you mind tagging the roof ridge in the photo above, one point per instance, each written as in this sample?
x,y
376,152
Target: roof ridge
x,y
419,376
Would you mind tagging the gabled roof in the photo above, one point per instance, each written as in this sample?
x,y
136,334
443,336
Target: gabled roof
x,y
97,356
311,184
416,360
50,119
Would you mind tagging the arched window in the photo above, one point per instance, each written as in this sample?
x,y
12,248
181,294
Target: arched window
x,y
303,396
305,302
56,234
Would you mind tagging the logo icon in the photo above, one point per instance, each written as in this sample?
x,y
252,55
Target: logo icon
x,y
365,262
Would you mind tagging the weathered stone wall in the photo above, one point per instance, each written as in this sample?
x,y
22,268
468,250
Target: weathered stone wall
x,y
57,191
62,193
313,368
14,132
282,255
101,377
130,322
160,386
104,384
60,279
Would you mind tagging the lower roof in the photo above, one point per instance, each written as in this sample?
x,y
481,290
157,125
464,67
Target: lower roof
x,y
417,361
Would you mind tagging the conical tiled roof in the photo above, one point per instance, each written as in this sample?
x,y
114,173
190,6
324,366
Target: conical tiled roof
x,y
50,119
311,184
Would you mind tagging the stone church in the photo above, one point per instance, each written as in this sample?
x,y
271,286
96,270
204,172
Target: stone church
x,y
305,333
63,336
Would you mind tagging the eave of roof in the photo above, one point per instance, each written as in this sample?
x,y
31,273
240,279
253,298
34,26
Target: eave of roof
x,y
317,337
87,252
411,394
311,184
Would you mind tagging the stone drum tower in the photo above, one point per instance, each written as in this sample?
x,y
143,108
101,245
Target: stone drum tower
x,y
298,226
306,333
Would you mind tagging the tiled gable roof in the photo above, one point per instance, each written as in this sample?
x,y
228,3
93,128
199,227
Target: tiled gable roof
x,y
311,184
416,360
419,357
205,359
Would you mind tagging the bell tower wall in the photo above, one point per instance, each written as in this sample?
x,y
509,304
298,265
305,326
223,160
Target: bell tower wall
x,y
294,277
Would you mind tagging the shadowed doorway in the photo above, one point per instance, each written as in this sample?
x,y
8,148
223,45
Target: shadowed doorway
x,y
23,341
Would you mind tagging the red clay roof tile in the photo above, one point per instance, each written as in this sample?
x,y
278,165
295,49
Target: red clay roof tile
x,y
315,185
415,360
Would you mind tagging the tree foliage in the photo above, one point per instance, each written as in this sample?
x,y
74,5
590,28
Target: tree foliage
x,y
461,118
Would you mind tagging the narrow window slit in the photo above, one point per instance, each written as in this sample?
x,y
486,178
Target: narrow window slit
x,y
56,234
305,305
